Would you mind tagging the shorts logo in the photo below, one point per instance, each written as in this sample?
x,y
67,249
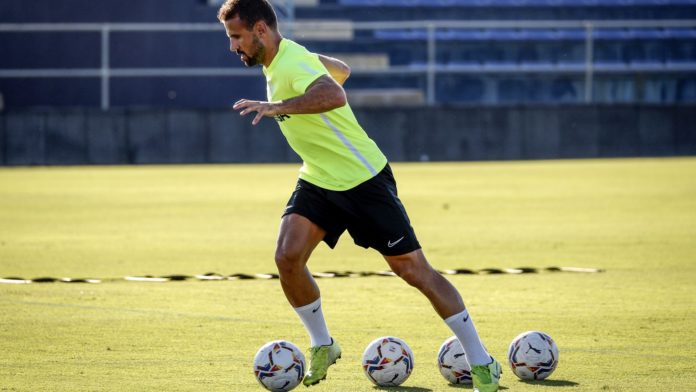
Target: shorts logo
x,y
392,244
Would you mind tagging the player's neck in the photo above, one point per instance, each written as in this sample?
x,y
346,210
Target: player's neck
x,y
272,48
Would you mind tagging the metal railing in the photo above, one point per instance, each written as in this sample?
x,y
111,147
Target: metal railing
x,y
430,70
588,68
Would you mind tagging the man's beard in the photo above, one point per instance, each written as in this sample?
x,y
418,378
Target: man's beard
x,y
258,55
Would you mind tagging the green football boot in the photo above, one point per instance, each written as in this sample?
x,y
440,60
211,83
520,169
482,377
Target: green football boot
x,y
486,377
321,357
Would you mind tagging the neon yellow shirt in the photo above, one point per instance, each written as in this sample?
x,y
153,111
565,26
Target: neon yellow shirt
x,y
336,152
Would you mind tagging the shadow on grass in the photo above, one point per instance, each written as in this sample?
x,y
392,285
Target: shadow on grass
x,y
551,383
547,383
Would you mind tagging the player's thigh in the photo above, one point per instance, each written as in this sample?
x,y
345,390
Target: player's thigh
x,y
379,219
314,204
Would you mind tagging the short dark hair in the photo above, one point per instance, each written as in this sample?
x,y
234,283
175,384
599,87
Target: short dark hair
x,y
249,12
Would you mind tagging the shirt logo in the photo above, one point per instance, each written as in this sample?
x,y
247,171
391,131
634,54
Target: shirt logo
x,y
392,244
281,117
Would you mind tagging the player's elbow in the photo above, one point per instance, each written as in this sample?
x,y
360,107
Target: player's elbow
x,y
327,94
336,99
339,99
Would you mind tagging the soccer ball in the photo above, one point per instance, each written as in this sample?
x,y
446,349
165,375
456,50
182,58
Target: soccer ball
x,y
533,355
452,362
387,361
279,366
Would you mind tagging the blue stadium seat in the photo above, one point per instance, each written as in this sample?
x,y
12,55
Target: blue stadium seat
x,y
198,92
492,55
39,49
681,52
408,35
529,34
680,33
60,92
513,91
564,90
686,90
607,52
513,3
460,89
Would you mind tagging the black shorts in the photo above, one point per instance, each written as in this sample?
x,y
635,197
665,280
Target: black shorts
x,y
371,212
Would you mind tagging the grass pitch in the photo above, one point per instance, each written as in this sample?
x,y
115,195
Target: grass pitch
x,y
631,328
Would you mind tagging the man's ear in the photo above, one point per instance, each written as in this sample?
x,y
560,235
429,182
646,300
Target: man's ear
x,y
260,28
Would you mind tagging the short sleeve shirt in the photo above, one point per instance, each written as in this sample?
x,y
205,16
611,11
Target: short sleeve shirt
x,y
337,153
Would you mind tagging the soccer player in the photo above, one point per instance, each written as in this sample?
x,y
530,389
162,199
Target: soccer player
x,y
345,183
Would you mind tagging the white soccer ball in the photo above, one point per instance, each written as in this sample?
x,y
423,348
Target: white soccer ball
x,y
533,355
387,361
279,366
452,362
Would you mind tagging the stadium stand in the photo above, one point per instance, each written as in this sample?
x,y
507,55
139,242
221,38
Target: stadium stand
x,y
489,64
363,10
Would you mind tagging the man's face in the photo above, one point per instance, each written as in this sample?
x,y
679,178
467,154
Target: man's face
x,y
244,42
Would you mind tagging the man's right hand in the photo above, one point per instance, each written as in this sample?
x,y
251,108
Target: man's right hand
x,y
262,109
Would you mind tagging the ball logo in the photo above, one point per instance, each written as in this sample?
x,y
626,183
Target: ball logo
x,y
533,355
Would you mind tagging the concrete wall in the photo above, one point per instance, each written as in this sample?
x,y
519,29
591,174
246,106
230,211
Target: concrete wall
x,y
73,137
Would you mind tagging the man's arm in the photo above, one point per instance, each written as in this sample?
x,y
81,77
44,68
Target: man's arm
x,y
323,95
337,68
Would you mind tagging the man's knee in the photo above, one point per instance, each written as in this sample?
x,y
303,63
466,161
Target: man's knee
x,y
413,272
289,259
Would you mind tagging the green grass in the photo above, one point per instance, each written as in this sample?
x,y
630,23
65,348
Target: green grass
x,y
631,328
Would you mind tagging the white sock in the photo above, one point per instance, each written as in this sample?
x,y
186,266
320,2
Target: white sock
x,y
463,327
312,317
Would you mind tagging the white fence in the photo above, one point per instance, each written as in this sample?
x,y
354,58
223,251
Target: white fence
x,y
430,69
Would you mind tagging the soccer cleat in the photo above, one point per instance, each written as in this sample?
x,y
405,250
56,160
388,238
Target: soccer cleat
x,y
486,377
320,358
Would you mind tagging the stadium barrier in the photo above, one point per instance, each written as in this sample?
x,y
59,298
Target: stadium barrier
x,y
100,74
84,136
